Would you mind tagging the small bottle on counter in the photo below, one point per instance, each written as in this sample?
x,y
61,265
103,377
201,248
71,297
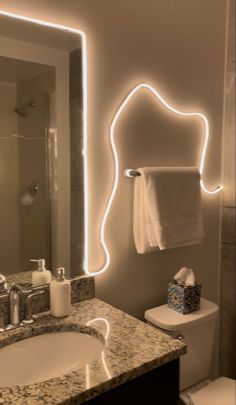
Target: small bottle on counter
x,y
60,295
41,275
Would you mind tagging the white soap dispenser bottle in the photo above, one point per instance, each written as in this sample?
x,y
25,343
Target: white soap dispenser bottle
x,y
60,295
41,275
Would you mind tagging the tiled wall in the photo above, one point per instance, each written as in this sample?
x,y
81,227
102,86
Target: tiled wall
x,y
34,219
9,181
82,288
228,280
76,164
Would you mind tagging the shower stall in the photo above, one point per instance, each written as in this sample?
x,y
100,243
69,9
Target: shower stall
x,y
33,121
27,166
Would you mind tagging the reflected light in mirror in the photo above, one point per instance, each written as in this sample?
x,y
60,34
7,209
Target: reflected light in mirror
x,y
120,109
87,371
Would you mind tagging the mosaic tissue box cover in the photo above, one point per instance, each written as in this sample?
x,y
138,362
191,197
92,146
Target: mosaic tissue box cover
x,y
184,299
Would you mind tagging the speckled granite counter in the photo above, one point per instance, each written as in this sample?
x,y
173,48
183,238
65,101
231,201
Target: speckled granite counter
x,y
132,348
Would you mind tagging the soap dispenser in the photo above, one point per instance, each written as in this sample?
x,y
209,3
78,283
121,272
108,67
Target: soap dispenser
x,y
60,295
41,275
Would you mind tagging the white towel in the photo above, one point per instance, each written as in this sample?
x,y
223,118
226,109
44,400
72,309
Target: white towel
x,y
167,208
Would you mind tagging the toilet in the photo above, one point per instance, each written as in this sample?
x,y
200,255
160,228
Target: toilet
x,y
197,329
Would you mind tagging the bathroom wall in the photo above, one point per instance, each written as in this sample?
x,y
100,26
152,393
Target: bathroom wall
x,y
178,47
228,281
9,181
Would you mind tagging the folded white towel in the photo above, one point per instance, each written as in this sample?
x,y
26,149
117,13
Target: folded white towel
x,y
167,208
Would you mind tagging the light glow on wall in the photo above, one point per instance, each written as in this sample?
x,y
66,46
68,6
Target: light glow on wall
x,y
84,109
111,137
118,113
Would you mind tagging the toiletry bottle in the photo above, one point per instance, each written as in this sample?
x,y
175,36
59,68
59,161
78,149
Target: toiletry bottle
x,y
41,275
60,295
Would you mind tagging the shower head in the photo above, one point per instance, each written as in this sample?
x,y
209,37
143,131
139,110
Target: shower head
x,y
22,110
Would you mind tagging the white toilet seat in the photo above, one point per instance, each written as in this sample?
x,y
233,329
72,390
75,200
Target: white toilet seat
x,y
219,392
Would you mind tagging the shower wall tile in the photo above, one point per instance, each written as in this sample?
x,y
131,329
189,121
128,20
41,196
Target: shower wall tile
x,y
229,124
229,162
227,312
9,181
228,280
77,240
228,225
228,273
228,353
76,164
34,219
76,145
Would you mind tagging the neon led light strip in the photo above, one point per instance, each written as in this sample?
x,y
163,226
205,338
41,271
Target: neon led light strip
x,y
116,160
85,98
111,136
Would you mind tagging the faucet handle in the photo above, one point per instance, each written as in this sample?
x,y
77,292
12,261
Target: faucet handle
x,y
3,284
2,323
28,310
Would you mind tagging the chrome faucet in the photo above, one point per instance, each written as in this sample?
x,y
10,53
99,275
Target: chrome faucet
x,y
14,304
2,323
28,308
3,284
17,293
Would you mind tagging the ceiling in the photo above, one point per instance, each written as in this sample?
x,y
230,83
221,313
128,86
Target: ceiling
x,y
16,71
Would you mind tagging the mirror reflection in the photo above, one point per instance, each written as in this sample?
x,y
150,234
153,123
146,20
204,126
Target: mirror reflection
x,y
41,114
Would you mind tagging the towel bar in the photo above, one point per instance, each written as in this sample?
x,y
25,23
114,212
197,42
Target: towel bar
x,y
131,173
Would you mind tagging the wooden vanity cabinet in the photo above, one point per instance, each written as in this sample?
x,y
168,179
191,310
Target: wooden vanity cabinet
x,y
157,387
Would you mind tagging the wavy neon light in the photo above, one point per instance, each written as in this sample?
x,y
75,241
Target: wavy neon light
x,y
111,136
116,159
84,109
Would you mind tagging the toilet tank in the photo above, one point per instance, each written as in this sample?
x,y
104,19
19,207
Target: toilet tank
x,y
198,332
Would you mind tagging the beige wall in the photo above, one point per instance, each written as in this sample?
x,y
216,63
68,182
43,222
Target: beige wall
x,y
9,182
178,46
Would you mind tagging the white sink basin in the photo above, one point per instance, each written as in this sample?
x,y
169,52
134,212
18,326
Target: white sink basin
x,y
42,357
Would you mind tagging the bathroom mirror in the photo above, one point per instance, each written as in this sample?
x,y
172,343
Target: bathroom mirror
x,y
41,140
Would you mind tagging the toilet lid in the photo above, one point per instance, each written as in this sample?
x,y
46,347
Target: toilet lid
x,y
168,319
219,392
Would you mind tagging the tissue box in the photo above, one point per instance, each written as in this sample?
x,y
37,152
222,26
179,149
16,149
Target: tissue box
x,y
184,299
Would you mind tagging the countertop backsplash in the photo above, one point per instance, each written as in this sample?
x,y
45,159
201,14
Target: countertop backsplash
x,y
82,288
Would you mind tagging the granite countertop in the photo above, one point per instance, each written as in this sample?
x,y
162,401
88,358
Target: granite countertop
x,y
132,348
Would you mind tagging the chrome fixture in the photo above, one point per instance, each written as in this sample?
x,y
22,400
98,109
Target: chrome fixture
x,y
20,295
2,323
22,110
28,307
33,188
3,284
29,194
131,173
15,296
